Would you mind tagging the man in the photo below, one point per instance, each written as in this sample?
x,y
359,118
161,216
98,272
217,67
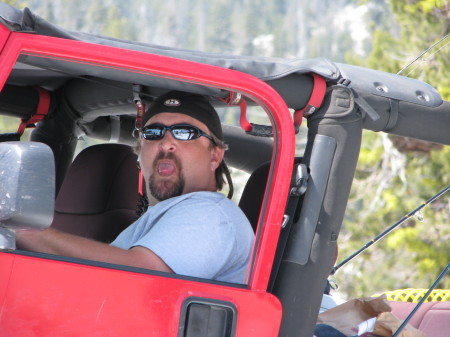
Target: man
x,y
190,228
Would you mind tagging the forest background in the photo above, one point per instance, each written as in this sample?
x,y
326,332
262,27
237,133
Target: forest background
x,y
395,174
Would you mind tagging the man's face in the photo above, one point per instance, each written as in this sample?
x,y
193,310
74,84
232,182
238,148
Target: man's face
x,y
173,167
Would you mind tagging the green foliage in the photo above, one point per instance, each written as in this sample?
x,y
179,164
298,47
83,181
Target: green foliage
x,y
422,24
14,3
414,253
9,124
388,185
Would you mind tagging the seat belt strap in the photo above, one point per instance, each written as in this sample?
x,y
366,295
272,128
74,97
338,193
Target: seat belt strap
x,y
245,124
140,110
315,100
141,183
140,107
299,184
41,111
237,99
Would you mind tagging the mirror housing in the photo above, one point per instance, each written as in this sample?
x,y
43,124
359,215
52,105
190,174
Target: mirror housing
x,y
27,189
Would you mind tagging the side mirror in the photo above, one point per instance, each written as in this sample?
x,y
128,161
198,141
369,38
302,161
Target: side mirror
x,y
27,189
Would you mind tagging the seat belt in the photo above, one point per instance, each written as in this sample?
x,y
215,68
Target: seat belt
x,y
140,110
299,184
314,102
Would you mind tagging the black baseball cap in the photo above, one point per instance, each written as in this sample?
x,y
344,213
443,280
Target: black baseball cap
x,y
193,105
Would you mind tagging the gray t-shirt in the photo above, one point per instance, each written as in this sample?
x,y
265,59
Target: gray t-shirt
x,y
200,234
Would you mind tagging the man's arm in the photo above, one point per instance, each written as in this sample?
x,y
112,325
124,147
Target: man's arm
x,y
52,241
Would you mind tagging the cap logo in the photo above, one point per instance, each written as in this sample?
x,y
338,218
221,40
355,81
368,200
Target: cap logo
x,y
172,102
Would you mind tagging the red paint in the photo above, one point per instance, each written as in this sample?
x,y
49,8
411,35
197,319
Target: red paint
x,y
45,297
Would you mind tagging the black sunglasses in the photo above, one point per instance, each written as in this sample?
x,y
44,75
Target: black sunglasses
x,y
178,131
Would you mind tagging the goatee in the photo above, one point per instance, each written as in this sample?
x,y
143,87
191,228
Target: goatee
x,y
165,189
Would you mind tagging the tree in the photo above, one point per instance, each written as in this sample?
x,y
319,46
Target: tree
x,y
411,171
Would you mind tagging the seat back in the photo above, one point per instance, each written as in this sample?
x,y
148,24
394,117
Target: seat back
x,y
432,318
253,194
99,195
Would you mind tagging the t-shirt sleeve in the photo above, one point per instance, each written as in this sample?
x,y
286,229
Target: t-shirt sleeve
x,y
193,238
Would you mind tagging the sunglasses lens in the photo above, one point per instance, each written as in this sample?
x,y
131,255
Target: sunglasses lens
x,y
153,132
185,132
179,131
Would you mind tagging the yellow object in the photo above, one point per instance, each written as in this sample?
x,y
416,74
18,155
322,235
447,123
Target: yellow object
x,y
415,295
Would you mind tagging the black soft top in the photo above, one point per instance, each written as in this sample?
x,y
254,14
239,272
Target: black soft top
x,y
390,103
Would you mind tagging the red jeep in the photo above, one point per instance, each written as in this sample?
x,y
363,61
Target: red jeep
x,y
72,85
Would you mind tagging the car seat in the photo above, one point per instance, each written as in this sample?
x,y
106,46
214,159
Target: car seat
x,y
253,193
99,195
251,203
432,318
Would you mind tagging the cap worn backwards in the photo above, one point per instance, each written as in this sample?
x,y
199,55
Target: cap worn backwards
x,y
193,105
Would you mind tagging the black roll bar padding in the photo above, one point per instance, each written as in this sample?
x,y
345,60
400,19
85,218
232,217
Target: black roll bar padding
x,y
63,151
410,120
22,102
58,132
17,101
9,137
295,99
300,287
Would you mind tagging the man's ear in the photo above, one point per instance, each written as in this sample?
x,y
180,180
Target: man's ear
x,y
216,157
